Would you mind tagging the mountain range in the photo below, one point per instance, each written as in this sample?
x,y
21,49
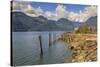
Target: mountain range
x,y
92,22
22,23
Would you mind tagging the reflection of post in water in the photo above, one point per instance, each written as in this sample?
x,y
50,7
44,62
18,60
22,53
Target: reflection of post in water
x,y
54,37
41,50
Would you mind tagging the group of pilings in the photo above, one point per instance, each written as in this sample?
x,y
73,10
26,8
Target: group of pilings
x,y
50,42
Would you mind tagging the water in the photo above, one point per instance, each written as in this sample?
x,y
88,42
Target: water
x,y
26,49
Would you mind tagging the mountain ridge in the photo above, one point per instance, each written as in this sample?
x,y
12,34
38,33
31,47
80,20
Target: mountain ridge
x,y
22,22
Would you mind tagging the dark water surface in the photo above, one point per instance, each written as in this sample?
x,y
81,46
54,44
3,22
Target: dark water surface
x,y
26,49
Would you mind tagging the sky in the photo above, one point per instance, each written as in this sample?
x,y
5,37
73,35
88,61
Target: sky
x,y
56,11
52,6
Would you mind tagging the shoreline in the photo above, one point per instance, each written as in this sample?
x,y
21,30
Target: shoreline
x,y
84,46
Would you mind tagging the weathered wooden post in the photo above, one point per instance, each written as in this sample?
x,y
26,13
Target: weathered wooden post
x,y
49,39
40,40
53,38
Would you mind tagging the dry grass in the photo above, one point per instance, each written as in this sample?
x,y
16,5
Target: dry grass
x,y
84,46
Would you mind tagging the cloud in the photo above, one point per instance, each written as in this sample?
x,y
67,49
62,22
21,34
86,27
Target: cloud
x,y
34,12
27,8
77,17
73,16
15,6
83,15
50,15
59,12
39,11
89,11
20,6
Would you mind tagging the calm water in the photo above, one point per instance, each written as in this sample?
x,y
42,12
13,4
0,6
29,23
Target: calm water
x,y
26,49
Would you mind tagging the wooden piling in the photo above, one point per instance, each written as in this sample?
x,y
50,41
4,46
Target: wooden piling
x,y
49,39
40,40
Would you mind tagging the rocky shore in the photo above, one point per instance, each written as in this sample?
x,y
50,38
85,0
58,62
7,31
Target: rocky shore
x,y
83,48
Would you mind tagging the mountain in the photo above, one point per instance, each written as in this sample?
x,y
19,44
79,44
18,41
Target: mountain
x,y
65,24
90,26
76,24
22,22
92,22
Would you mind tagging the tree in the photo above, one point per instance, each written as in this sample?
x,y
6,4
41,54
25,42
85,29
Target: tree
x,y
84,29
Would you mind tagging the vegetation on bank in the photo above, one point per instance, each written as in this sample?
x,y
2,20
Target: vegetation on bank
x,y
84,29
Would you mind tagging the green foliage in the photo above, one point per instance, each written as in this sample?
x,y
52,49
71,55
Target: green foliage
x,y
85,29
